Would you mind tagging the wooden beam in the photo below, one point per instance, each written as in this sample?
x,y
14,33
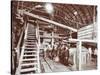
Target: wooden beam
x,y
50,37
38,22
83,40
50,21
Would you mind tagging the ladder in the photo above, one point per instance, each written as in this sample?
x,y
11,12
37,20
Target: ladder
x,y
29,58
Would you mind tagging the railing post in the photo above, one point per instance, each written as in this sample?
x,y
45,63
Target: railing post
x,y
38,46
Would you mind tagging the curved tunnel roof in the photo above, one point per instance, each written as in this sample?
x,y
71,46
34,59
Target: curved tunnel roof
x,y
67,14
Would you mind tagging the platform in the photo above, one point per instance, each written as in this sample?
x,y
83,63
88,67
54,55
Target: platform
x,y
49,65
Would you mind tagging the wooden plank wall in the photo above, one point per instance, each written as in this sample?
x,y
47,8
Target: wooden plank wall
x,y
88,32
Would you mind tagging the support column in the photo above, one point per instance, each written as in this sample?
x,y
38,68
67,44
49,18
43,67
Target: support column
x,y
74,61
79,54
52,39
70,35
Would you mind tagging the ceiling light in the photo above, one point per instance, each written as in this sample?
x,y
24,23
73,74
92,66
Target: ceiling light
x,y
50,26
75,13
49,8
38,6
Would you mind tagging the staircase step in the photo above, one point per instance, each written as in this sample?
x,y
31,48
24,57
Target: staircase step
x,y
30,51
30,48
31,40
31,34
29,73
29,55
30,30
30,44
27,64
31,59
34,47
31,37
28,69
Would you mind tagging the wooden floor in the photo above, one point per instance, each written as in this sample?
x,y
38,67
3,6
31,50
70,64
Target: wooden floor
x,y
90,66
51,66
48,65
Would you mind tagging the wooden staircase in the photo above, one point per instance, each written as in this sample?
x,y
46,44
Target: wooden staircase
x,y
29,58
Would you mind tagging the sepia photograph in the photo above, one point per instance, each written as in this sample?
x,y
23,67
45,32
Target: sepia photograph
x,y
53,37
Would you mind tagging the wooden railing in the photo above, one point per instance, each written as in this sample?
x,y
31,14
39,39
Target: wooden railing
x,y
18,48
38,47
22,51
